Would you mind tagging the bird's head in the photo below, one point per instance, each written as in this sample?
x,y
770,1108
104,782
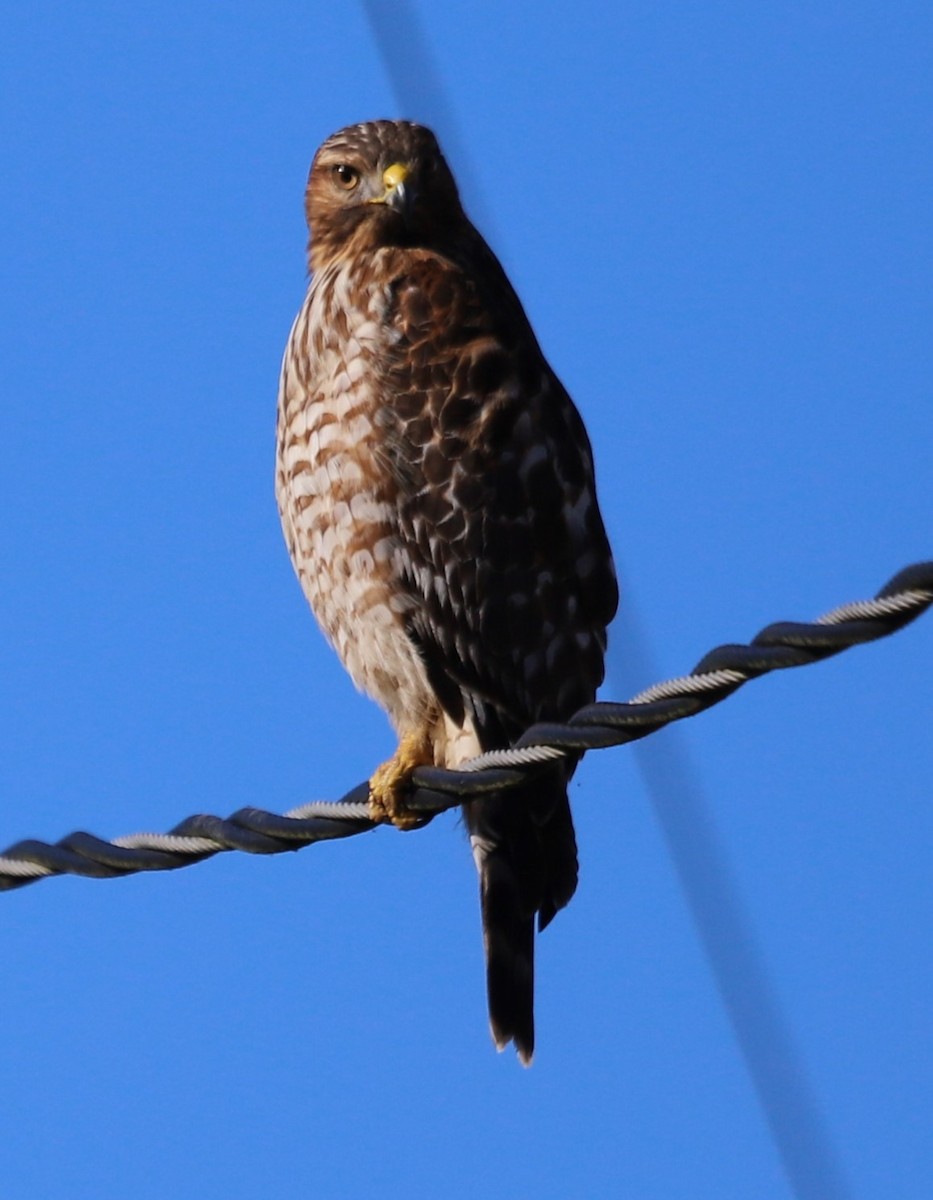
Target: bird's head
x,y
383,183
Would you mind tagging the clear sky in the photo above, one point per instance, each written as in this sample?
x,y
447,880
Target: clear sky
x,y
718,217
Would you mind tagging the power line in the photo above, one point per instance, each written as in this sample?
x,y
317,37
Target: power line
x,y
595,727
714,902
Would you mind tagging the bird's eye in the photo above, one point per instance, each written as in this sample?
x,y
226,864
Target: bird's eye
x,y
347,177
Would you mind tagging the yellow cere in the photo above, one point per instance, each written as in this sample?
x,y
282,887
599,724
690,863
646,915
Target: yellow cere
x,y
394,175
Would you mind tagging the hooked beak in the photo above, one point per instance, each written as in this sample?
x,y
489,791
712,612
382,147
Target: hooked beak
x,y
397,196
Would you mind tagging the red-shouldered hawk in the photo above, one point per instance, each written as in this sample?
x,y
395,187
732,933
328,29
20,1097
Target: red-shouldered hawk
x,y
435,484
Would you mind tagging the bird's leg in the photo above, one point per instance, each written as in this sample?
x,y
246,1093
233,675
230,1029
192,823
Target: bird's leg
x,y
389,783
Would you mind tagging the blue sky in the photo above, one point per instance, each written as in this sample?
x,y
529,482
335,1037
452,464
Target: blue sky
x,y
718,217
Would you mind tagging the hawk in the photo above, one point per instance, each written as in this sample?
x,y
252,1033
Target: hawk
x,y
436,490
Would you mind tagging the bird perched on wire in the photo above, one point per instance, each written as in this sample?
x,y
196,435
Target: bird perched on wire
x,y
436,490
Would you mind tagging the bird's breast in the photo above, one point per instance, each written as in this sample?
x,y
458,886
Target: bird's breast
x,y
336,494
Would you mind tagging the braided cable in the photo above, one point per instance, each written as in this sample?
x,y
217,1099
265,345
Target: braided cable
x,y
605,723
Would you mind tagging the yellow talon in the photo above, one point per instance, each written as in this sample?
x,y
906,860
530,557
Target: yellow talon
x,y
391,781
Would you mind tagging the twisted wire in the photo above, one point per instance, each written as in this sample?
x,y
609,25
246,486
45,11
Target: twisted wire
x,y
605,723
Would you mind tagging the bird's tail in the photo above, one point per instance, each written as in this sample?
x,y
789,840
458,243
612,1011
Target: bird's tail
x,y
526,855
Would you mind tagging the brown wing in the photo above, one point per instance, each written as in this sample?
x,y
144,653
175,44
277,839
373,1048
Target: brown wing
x,y
501,536
502,543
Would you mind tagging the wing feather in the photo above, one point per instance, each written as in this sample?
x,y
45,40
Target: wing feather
x,y
500,536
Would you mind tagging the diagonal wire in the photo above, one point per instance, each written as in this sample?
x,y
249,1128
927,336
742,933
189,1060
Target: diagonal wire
x,y
740,972
811,1171
718,675
419,91
762,1032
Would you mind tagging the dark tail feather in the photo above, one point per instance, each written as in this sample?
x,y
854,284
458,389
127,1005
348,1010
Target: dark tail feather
x,y
526,855
509,939
559,851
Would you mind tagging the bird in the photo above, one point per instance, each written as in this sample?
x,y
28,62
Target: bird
x,y
437,495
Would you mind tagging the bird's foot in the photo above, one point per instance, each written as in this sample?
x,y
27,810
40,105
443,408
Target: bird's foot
x,y
392,780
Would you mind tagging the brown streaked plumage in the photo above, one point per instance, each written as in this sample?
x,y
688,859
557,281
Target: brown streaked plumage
x,y
436,489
